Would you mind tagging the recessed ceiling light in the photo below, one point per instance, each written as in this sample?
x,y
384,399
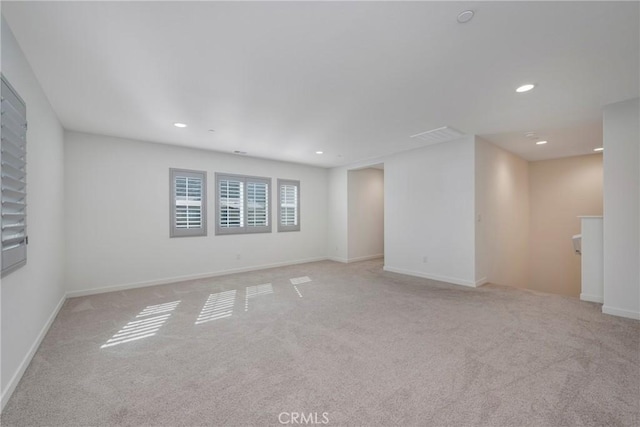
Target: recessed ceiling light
x,y
525,88
598,149
465,16
319,152
541,142
180,125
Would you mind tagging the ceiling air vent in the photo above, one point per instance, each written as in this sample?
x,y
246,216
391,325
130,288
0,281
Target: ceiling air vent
x,y
435,136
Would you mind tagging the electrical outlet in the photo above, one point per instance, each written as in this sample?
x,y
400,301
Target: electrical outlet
x,y
238,256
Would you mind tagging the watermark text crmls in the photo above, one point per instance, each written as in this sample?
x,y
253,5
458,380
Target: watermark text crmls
x,y
308,418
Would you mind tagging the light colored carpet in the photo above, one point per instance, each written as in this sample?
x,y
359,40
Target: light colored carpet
x,y
363,346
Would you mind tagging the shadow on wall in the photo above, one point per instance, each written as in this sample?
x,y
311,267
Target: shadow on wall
x,y
560,190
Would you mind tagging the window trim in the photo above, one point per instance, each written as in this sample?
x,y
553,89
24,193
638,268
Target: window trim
x,y
281,227
245,179
186,232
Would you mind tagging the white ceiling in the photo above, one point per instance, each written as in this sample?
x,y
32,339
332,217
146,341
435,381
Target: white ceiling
x,y
353,79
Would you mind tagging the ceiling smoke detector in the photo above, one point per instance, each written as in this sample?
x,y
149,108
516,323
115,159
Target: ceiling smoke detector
x,y
435,136
465,16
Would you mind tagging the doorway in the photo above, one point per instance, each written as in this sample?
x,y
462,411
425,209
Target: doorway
x,y
365,195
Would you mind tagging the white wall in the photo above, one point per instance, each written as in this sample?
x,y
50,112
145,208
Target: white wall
x,y
560,190
338,217
32,295
622,209
502,216
429,212
366,214
592,259
118,221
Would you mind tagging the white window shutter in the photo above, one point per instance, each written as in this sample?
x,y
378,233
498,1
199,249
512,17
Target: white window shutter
x,y
242,204
188,203
289,206
231,203
13,180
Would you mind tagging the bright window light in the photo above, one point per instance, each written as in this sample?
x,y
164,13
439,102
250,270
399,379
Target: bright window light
x,y
145,324
256,291
525,88
300,280
218,306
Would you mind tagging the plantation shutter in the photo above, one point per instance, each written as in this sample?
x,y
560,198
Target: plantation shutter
x,y
231,203
13,179
289,203
189,207
289,207
257,204
242,204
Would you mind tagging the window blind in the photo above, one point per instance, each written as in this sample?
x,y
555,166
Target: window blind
x,y
289,204
242,204
13,179
231,199
257,204
289,207
188,203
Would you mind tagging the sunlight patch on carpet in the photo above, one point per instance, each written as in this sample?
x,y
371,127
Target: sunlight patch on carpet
x,y
256,291
150,321
218,306
300,280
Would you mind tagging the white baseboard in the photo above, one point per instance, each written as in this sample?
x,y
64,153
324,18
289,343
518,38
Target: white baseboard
x,y
365,258
621,312
176,279
338,259
15,379
481,282
592,298
451,280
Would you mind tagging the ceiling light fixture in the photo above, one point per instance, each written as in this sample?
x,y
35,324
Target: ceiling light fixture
x,y
180,125
599,149
541,142
525,88
465,16
319,152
